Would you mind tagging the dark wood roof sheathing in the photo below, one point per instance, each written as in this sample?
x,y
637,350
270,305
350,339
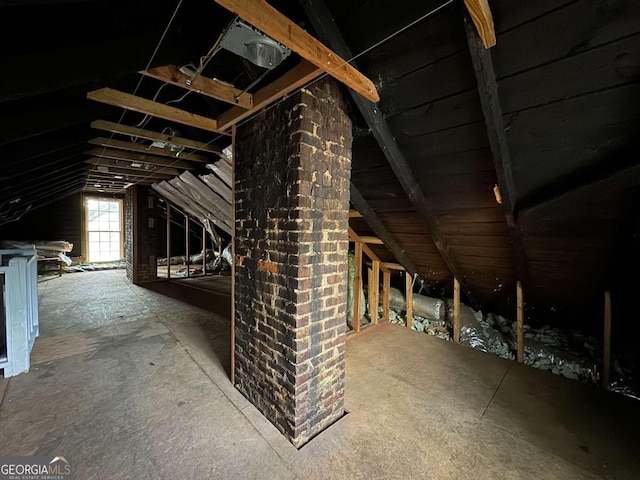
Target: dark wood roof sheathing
x,y
568,81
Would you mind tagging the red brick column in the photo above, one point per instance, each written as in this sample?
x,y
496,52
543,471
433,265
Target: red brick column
x,y
293,165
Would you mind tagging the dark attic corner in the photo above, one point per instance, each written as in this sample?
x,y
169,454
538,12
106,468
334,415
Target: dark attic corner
x,y
320,239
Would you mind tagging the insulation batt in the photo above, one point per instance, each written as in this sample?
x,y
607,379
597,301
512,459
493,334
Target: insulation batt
x,y
423,306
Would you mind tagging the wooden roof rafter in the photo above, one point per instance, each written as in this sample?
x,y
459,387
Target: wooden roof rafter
x,y
492,112
327,29
482,18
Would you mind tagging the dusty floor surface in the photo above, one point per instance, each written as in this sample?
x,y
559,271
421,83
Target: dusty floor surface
x,y
130,383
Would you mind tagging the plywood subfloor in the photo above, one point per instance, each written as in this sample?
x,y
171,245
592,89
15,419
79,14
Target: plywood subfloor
x,y
131,383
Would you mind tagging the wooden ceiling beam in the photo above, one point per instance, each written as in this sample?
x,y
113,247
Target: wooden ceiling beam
x,y
128,173
492,112
111,172
372,219
297,77
146,149
154,136
480,13
139,158
324,24
126,166
273,23
205,86
127,101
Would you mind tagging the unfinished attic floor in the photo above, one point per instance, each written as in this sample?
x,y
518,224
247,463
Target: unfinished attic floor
x,y
130,383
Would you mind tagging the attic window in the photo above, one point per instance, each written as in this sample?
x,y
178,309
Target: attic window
x,y
104,229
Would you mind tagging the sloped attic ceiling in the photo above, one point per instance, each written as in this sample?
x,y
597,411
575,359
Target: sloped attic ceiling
x,y
567,77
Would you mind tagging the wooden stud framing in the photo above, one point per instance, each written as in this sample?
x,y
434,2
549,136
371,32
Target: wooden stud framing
x,y
375,291
408,280
204,251
187,235
233,256
146,149
168,240
297,77
153,136
149,107
456,311
357,285
205,86
520,322
606,360
354,237
386,287
270,21
483,20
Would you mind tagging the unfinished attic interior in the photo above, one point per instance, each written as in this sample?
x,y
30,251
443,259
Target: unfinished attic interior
x,y
320,239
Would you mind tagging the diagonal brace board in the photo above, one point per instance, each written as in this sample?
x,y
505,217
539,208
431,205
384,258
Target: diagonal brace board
x,y
270,21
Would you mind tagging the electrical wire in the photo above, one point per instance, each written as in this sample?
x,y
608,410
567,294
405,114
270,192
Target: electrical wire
x,y
153,56
285,97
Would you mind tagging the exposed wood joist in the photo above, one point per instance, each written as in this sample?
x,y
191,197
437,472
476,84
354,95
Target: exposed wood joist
x,y
146,149
377,226
102,170
295,78
480,13
327,29
269,20
127,101
154,136
354,237
127,167
127,177
205,86
139,158
101,191
492,112
354,214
